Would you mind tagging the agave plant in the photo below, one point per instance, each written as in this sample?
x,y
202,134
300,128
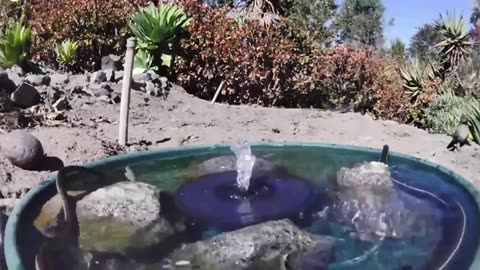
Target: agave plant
x,y
455,45
66,52
15,44
156,28
143,60
474,116
412,77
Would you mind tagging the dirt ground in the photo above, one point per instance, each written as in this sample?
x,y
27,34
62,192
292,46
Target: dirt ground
x,y
185,120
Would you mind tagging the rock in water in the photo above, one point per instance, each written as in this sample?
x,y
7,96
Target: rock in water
x,y
373,208
262,246
124,216
22,149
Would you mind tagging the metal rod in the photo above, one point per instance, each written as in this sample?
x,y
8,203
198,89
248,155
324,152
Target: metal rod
x,y
125,100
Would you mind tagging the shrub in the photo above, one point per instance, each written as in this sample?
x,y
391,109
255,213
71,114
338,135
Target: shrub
x,y
15,45
99,26
158,30
445,112
66,53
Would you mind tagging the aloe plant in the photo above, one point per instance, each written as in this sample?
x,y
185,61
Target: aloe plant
x,y
157,27
66,52
143,60
15,44
475,121
455,45
412,77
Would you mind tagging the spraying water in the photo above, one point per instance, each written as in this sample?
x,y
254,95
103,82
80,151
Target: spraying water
x,y
245,162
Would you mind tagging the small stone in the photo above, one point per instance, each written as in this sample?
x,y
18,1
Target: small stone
x,y
109,75
22,149
59,80
116,98
118,75
25,96
77,90
78,80
61,104
101,90
38,80
104,99
98,77
53,94
112,62
7,86
15,69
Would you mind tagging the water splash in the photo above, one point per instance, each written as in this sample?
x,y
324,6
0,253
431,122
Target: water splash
x,y
245,163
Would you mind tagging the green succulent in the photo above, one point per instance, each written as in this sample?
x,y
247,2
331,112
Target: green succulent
x,y
66,52
143,59
455,45
15,44
412,77
157,27
444,114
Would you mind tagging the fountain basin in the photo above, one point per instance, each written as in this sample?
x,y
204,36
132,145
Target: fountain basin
x,y
22,239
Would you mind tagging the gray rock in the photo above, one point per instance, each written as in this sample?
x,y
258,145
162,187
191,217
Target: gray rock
x,y
151,89
25,96
129,215
262,246
61,104
109,75
98,77
118,75
53,94
115,98
7,86
78,80
59,80
15,69
14,77
373,208
6,104
38,80
101,89
112,62
22,149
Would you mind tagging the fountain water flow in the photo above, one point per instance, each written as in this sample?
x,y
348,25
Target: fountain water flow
x,y
245,163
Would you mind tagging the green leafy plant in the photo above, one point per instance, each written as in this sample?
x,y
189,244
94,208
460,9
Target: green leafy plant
x,y
143,60
412,77
455,44
444,114
156,29
66,52
15,44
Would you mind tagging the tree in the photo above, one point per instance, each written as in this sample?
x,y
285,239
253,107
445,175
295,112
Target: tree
x,y
360,22
397,49
422,44
313,15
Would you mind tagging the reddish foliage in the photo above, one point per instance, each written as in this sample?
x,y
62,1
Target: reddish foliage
x,y
100,27
270,67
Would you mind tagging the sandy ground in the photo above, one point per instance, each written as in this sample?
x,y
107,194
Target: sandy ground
x,y
184,120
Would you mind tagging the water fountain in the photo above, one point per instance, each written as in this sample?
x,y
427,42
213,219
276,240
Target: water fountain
x,y
242,198
371,227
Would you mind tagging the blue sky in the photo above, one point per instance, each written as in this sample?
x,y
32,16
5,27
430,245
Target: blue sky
x,y
411,14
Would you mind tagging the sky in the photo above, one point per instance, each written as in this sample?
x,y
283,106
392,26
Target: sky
x,y
411,14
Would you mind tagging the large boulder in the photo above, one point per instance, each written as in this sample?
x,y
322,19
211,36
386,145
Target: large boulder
x,y
22,149
125,216
262,246
369,203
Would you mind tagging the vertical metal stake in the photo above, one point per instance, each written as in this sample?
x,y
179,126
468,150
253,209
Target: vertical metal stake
x,y
125,100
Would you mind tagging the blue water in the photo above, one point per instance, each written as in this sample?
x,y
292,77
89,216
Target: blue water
x,y
459,214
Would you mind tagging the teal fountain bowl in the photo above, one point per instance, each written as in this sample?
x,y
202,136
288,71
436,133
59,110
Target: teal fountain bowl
x,y
306,167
